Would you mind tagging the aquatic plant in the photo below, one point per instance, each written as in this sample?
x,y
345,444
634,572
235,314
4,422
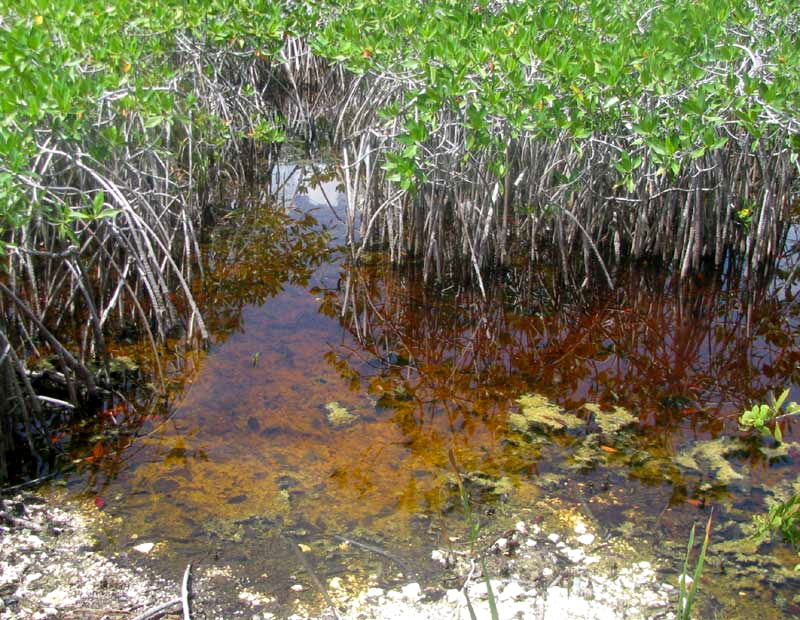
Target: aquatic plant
x,y
474,532
782,517
339,416
686,597
539,414
771,413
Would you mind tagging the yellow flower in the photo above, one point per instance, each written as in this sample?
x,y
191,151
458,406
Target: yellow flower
x,y
38,20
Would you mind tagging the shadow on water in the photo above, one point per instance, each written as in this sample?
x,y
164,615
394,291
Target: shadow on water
x,y
332,393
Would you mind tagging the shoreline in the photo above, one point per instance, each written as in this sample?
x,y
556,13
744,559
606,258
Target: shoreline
x,y
50,567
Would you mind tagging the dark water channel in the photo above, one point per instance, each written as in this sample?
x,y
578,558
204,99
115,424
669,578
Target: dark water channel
x,y
331,396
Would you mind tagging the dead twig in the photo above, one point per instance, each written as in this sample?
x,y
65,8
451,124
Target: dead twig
x,y
187,614
319,585
27,485
368,547
20,522
158,610
83,612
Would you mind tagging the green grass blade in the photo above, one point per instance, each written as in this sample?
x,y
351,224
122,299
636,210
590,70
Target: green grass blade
x,y
469,606
686,600
489,592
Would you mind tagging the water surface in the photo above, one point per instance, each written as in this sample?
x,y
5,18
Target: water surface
x,y
247,459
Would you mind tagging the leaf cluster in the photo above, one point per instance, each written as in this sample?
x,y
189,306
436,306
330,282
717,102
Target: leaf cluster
x,y
100,79
668,82
782,517
765,418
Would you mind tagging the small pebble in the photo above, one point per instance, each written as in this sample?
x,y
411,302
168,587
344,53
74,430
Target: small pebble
x,y
453,596
335,583
412,590
480,590
29,579
437,555
513,591
574,555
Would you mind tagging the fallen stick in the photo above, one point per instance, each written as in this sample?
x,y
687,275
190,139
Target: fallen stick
x,y
85,612
157,610
399,561
20,522
28,484
187,615
313,575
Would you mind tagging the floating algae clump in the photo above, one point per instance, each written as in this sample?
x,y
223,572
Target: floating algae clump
x,y
611,421
339,416
538,413
709,457
481,486
779,451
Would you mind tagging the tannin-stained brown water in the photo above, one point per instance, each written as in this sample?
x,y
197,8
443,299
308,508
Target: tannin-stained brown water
x,y
332,394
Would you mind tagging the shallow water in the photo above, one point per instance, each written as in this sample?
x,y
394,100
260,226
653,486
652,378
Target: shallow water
x,y
248,455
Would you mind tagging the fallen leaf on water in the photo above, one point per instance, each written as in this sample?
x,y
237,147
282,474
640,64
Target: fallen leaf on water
x,y
98,451
609,449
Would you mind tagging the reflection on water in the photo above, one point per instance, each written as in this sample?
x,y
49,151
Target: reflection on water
x,y
249,450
